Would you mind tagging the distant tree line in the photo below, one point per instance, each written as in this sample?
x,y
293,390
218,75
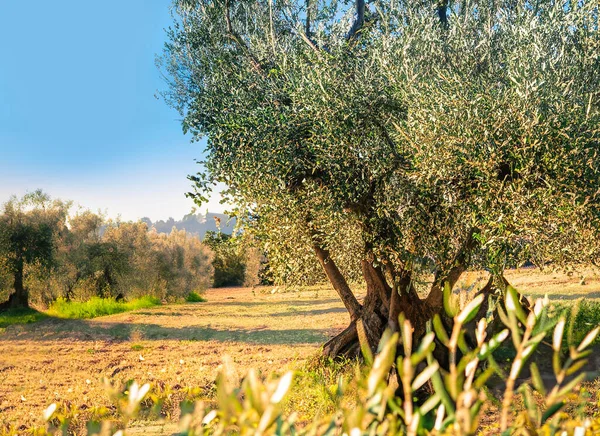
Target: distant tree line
x,y
237,260
194,223
46,253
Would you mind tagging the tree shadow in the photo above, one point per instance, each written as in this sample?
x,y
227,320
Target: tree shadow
x,y
310,312
559,297
10,317
159,313
54,329
301,303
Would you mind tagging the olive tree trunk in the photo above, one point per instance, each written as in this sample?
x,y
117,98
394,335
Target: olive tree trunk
x,y
383,304
379,310
20,297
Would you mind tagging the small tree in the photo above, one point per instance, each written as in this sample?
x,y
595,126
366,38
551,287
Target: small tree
x,y
75,252
228,259
28,233
399,134
180,262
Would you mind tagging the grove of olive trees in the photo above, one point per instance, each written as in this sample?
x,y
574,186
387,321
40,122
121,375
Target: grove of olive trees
x,y
48,254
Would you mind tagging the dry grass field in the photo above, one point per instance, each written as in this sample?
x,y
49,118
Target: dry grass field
x,y
182,346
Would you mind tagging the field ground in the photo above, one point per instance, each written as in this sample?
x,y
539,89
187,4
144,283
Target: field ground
x,y
182,346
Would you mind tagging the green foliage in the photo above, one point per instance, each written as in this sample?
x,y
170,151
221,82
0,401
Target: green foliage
x,y
83,256
96,306
314,391
20,316
29,228
581,315
181,264
228,261
420,134
194,297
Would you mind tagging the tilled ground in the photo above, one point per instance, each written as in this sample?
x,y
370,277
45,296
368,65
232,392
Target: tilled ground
x,y
177,346
182,346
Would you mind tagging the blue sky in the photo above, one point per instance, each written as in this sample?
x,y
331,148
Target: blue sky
x,y
78,112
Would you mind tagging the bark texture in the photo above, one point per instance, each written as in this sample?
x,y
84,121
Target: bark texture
x,y
20,297
338,282
379,310
389,294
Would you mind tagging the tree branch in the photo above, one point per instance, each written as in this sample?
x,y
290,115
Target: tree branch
x,y
307,24
442,10
459,266
305,35
359,20
272,27
235,37
338,281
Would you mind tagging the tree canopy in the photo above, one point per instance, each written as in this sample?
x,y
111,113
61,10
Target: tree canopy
x,y
29,227
398,136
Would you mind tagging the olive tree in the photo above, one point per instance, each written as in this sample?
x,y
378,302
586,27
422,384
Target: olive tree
x,y
75,253
398,136
180,264
29,230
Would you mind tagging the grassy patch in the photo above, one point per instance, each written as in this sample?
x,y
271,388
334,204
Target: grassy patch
x,y
98,307
19,316
582,316
315,390
194,297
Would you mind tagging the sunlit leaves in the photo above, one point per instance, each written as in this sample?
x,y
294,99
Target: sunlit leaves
x,y
417,135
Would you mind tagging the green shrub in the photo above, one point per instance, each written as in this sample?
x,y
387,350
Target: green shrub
x,y
96,306
194,297
582,315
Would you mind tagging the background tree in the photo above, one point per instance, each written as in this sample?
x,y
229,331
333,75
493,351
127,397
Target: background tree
x,y
125,260
29,229
46,254
76,253
468,138
229,260
182,264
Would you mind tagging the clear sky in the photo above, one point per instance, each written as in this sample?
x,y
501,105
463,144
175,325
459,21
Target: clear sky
x,y
78,112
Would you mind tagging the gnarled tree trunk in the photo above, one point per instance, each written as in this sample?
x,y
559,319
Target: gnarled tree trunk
x,y
383,303
20,297
379,310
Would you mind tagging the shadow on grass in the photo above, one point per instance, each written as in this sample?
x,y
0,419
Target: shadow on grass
x,y
293,312
566,296
20,316
277,306
159,313
52,329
